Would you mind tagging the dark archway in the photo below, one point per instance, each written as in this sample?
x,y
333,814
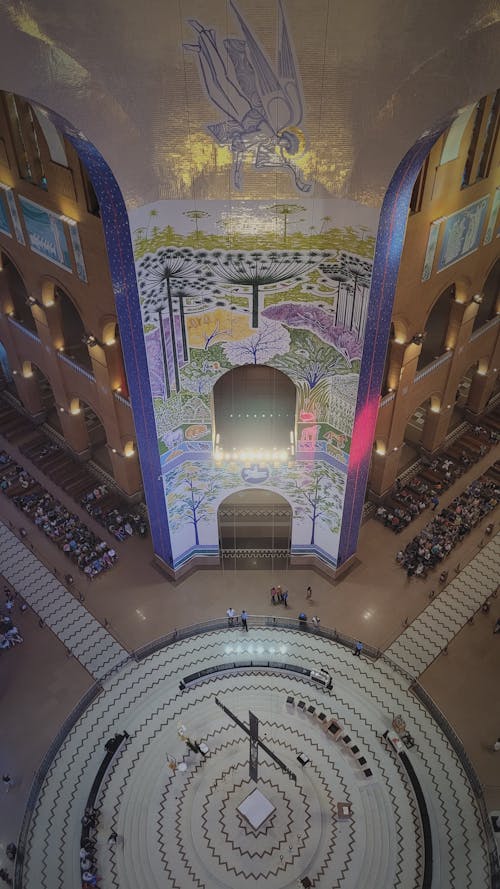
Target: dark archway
x,y
254,407
436,328
98,439
48,401
489,297
73,330
18,294
255,529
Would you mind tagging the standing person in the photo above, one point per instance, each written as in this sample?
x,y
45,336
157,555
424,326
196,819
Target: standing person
x,y
309,592
279,594
244,620
496,745
231,614
435,502
358,649
273,595
285,598
7,782
496,628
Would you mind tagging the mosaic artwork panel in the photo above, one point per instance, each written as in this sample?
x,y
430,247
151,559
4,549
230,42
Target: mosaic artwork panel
x,y
46,233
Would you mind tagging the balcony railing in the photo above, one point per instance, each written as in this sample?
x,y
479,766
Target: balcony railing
x,y
484,329
121,399
77,367
432,366
387,398
24,329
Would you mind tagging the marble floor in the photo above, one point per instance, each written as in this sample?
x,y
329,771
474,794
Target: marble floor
x,y
42,680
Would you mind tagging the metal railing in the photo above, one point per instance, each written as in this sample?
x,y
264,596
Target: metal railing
x,y
24,329
484,329
267,622
41,774
121,399
432,366
77,367
387,399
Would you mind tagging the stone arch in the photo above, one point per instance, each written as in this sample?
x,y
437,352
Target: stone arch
x,y
255,404
15,295
255,528
436,327
489,298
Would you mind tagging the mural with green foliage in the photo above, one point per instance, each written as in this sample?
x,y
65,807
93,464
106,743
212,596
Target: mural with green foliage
x,y
215,296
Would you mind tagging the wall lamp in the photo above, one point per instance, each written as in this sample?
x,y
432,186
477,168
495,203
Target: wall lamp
x,y
88,339
477,298
31,301
419,338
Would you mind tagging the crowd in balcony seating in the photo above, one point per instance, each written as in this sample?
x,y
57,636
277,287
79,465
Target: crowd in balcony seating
x,y
434,476
9,633
119,522
437,539
87,551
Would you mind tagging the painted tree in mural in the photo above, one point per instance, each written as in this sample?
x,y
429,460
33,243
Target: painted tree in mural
x,y
171,274
309,359
318,494
257,268
196,215
269,340
285,211
352,275
204,369
193,491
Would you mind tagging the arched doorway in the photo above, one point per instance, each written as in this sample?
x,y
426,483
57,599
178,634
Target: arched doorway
x,y
254,407
98,439
255,529
18,294
436,328
489,298
73,331
413,435
48,401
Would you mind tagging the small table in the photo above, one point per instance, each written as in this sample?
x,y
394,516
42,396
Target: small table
x,y
256,808
344,810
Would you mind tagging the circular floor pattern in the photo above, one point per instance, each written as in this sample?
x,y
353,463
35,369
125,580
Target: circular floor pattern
x,y
182,828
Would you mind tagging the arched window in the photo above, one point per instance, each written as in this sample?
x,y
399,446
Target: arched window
x,y
18,294
489,297
435,328
254,407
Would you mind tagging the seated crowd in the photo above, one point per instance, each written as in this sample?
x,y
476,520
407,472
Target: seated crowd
x,y
87,551
449,527
9,634
434,476
78,480
118,522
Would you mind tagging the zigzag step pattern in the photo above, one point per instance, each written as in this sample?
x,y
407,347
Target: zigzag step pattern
x,y
426,637
181,830
81,633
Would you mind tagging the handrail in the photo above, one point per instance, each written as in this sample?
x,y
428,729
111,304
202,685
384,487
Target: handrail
x,y
77,367
432,366
41,774
24,329
267,621
484,328
121,398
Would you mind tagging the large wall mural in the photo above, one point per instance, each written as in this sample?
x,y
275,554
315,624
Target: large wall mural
x,y
246,280
214,295
253,181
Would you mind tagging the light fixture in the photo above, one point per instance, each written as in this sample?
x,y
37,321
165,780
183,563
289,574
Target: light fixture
x,y
88,339
68,220
31,301
477,298
419,338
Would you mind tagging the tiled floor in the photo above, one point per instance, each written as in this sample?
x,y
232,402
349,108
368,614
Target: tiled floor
x,y
182,829
373,602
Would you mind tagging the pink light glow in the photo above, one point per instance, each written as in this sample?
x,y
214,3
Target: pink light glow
x,y
364,430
